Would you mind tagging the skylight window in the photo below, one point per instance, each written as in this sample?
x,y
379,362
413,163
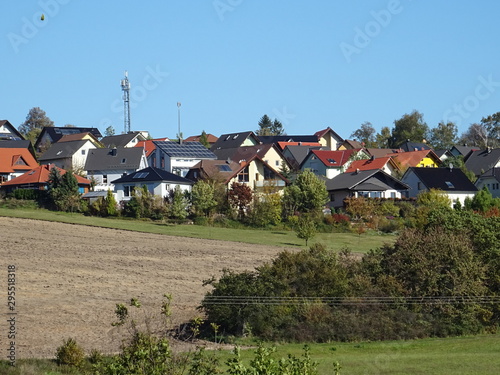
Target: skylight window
x,y
224,168
124,161
141,175
449,184
59,152
331,161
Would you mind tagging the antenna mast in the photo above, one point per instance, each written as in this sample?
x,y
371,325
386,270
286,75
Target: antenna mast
x,y
126,102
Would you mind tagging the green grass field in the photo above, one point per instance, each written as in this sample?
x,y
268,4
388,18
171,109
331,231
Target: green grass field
x,y
454,355
334,241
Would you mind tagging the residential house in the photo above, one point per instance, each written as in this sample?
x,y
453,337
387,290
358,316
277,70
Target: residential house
x,y
68,155
329,139
235,140
270,153
386,164
331,163
130,139
14,162
462,150
295,154
211,139
254,172
414,146
382,152
490,179
443,154
52,134
483,160
421,158
19,144
373,183
349,144
177,158
38,178
104,165
451,181
8,132
158,182
149,148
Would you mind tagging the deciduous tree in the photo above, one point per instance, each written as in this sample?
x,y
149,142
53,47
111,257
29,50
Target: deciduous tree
x,y
409,127
35,121
366,134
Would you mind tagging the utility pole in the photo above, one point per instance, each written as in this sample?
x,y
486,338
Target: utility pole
x,y
179,135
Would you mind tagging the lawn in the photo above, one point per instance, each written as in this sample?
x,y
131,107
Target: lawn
x,y
285,238
454,355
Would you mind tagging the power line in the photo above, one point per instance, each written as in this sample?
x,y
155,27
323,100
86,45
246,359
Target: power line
x,y
344,301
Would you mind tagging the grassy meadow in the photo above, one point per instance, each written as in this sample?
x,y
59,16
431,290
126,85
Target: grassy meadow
x,y
285,238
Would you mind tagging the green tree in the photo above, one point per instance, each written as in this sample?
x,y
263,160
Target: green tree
x,y
63,190
491,125
204,139
266,210
444,136
35,121
110,131
307,194
483,201
366,134
305,228
476,136
268,127
410,127
203,198
178,204
383,138
110,204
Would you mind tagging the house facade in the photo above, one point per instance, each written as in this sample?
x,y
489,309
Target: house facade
x,y
68,155
14,162
331,163
451,181
158,182
490,179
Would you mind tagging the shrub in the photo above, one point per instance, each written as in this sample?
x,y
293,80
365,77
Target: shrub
x,y
70,354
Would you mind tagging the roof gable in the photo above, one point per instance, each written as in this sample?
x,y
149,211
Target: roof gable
x,y
332,159
16,159
375,180
152,174
62,150
235,140
122,140
413,158
369,164
9,132
482,160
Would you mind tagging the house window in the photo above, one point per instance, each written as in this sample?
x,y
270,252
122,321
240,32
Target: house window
x,y
83,152
419,185
162,162
393,195
277,163
243,175
127,190
104,178
124,161
332,197
269,174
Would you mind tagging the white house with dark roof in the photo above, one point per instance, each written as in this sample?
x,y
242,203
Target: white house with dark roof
x,y
9,132
490,179
158,182
108,164
123,140
451,181
178,158
373,183
68,155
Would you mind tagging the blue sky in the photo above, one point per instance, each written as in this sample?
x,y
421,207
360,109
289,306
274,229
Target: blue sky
x,y
311,64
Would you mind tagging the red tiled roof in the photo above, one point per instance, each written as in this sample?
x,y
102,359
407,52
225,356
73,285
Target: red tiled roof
x,y
334,158
148,145
413,158
368,164
196,138
10,156
40,175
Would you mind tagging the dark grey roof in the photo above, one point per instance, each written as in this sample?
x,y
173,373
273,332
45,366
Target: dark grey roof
x,y
242,153
15,144
493,172
120,140
56,132
482,160
112,159
152,174
442,152
299,153
446,179
414,146
62,150
232,140
192,150
370,180
287,138
463,150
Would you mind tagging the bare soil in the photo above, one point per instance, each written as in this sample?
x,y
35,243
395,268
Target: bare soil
x,y
69,279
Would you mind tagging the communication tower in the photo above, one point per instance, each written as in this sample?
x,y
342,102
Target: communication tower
x,y
126,102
